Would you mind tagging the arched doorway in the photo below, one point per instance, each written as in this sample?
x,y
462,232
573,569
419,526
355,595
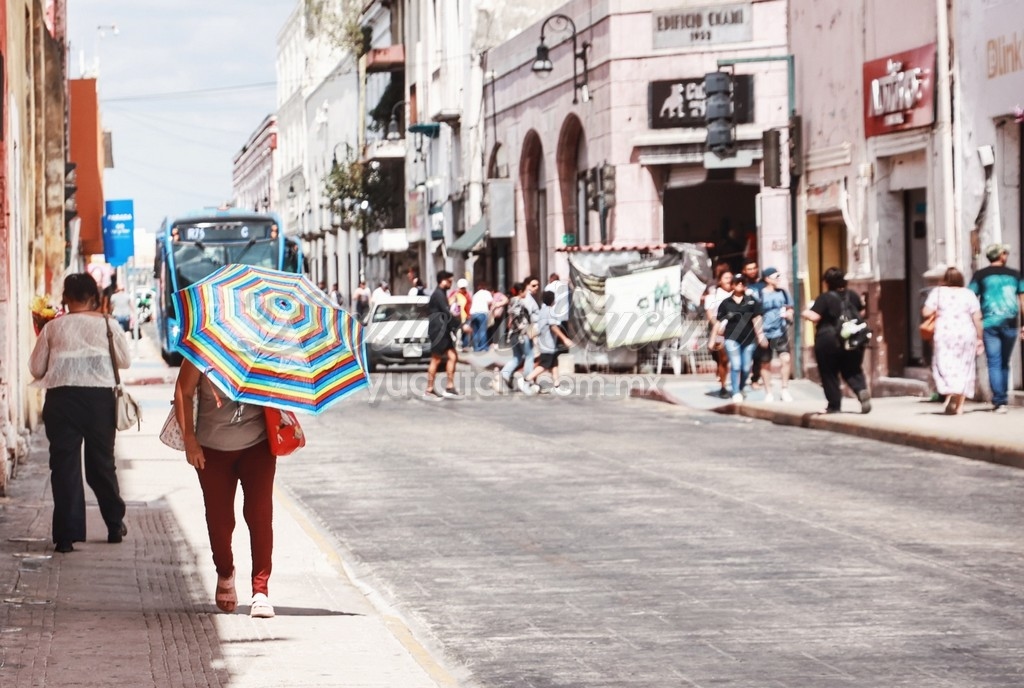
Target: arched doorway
x,y
535,208
571,162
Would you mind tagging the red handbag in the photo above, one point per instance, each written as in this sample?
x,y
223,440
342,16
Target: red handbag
x,y
283,431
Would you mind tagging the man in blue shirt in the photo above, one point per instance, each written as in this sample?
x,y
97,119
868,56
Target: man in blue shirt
x,y
777,311
1001,293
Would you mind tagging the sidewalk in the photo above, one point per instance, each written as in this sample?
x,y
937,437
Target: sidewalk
x,y
911,421
141,613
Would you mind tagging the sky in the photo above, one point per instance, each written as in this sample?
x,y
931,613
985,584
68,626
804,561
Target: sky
x,y
183,85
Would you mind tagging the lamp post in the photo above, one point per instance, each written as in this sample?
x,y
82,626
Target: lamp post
x,y
543,65
394,132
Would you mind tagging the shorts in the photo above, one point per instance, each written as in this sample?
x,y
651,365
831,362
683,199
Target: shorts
x,y
548,361
441,343
779,345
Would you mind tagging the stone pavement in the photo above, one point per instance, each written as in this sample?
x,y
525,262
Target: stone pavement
x,y
905,420
141,613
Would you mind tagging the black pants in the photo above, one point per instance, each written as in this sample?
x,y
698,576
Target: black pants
x,y
833,361
73,416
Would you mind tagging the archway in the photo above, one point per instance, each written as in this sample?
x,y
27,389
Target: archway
x,y
571,163
532,182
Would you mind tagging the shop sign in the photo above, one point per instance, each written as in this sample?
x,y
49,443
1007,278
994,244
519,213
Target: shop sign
x,y
899,91
1004,59
680,102
692,27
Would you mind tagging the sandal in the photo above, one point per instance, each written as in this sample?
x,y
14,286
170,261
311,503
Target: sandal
x,y
226,597
261,607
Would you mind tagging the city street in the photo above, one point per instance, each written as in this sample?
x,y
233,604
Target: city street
x,y
606,541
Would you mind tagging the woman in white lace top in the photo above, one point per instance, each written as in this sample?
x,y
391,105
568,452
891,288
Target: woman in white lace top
x,y
71,360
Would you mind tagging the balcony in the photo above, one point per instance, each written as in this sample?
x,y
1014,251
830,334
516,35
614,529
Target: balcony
x,y
387,59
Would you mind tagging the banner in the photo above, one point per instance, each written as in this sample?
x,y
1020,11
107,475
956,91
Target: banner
x,y
119,231
628,299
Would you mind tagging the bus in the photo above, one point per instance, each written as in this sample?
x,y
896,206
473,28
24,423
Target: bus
x,y
190,247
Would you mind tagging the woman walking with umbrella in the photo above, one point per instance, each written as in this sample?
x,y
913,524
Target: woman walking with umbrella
x,y
253,337
228,446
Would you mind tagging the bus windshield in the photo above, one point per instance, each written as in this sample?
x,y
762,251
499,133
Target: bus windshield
x,y
194,261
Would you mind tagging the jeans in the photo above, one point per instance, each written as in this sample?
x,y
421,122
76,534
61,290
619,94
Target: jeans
x,y
999,343
478,321
522,355
741,359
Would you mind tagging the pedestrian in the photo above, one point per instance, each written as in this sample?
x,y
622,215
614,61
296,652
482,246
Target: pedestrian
x,y
479,313
716,294
777,311
417,287
442,327
561,308
334,295
121,308
523,312
361,300
1000,292
834,359
382,291
460,301
755,284
549,335
72,361
741,314
496,321
227,445
958,339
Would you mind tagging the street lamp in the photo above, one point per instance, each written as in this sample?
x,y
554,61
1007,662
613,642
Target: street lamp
x,y
394,133
543,65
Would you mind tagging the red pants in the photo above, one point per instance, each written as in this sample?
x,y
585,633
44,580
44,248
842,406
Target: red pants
x,y
254,467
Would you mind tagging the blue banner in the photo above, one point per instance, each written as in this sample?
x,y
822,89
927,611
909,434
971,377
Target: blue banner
x,y
119,231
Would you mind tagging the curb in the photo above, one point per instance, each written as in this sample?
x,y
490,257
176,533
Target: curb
x,y
1005,455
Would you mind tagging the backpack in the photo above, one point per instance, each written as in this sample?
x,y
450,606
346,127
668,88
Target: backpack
x,y
518,318
854,333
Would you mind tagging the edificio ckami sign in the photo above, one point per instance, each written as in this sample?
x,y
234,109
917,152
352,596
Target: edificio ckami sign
x,y
690,27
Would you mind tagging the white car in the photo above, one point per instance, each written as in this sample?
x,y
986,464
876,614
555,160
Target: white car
x,y
396,331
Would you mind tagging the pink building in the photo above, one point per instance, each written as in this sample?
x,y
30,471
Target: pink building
x,y
628,108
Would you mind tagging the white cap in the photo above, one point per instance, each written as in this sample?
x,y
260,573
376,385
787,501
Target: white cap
x,y
463,283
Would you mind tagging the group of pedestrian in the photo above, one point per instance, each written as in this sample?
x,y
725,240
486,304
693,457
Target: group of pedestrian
x,y
749,315
982,317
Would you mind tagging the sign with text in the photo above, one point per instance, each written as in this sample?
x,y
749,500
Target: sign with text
x,y
899,91
680,102
643,306
693,27
119,231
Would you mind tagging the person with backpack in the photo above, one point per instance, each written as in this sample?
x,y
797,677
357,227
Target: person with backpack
x,y
777,311
837,311
523,312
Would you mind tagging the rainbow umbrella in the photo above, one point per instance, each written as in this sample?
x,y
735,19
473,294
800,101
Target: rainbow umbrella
x,y
271,338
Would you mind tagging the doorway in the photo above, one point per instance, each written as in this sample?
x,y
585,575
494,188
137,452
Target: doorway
x,y
915,228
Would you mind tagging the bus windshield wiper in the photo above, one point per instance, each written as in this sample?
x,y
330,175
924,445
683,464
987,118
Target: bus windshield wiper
x,y
238,258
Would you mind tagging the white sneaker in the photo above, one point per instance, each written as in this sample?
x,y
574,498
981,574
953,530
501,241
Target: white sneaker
x,y
525,387
261,607
737,398
768,396
786,396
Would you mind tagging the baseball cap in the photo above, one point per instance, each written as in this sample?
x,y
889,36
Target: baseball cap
x,y
463,283
768,272
995,250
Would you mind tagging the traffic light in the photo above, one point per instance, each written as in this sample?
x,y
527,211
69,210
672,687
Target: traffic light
x,y
772,158
608,184
796,146
718,113
591,189
70,187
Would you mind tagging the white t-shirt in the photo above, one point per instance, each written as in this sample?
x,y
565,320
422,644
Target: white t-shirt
x,y
121,304
481,302
560,309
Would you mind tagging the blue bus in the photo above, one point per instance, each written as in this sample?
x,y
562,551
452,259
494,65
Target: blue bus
x,y
190,247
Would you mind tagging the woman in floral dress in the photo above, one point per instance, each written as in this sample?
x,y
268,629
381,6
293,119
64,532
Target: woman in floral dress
x,y
957,342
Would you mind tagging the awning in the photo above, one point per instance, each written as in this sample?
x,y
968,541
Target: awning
x,y
473,236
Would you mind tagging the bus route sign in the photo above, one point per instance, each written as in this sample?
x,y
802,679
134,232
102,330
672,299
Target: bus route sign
x,y
119,231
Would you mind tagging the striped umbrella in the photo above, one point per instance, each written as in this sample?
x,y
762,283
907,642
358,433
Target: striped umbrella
x,y
271,338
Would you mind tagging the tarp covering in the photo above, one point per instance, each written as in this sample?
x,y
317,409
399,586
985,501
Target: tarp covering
x,y
631,297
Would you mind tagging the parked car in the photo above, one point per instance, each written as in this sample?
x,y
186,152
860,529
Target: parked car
x,y
396,331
